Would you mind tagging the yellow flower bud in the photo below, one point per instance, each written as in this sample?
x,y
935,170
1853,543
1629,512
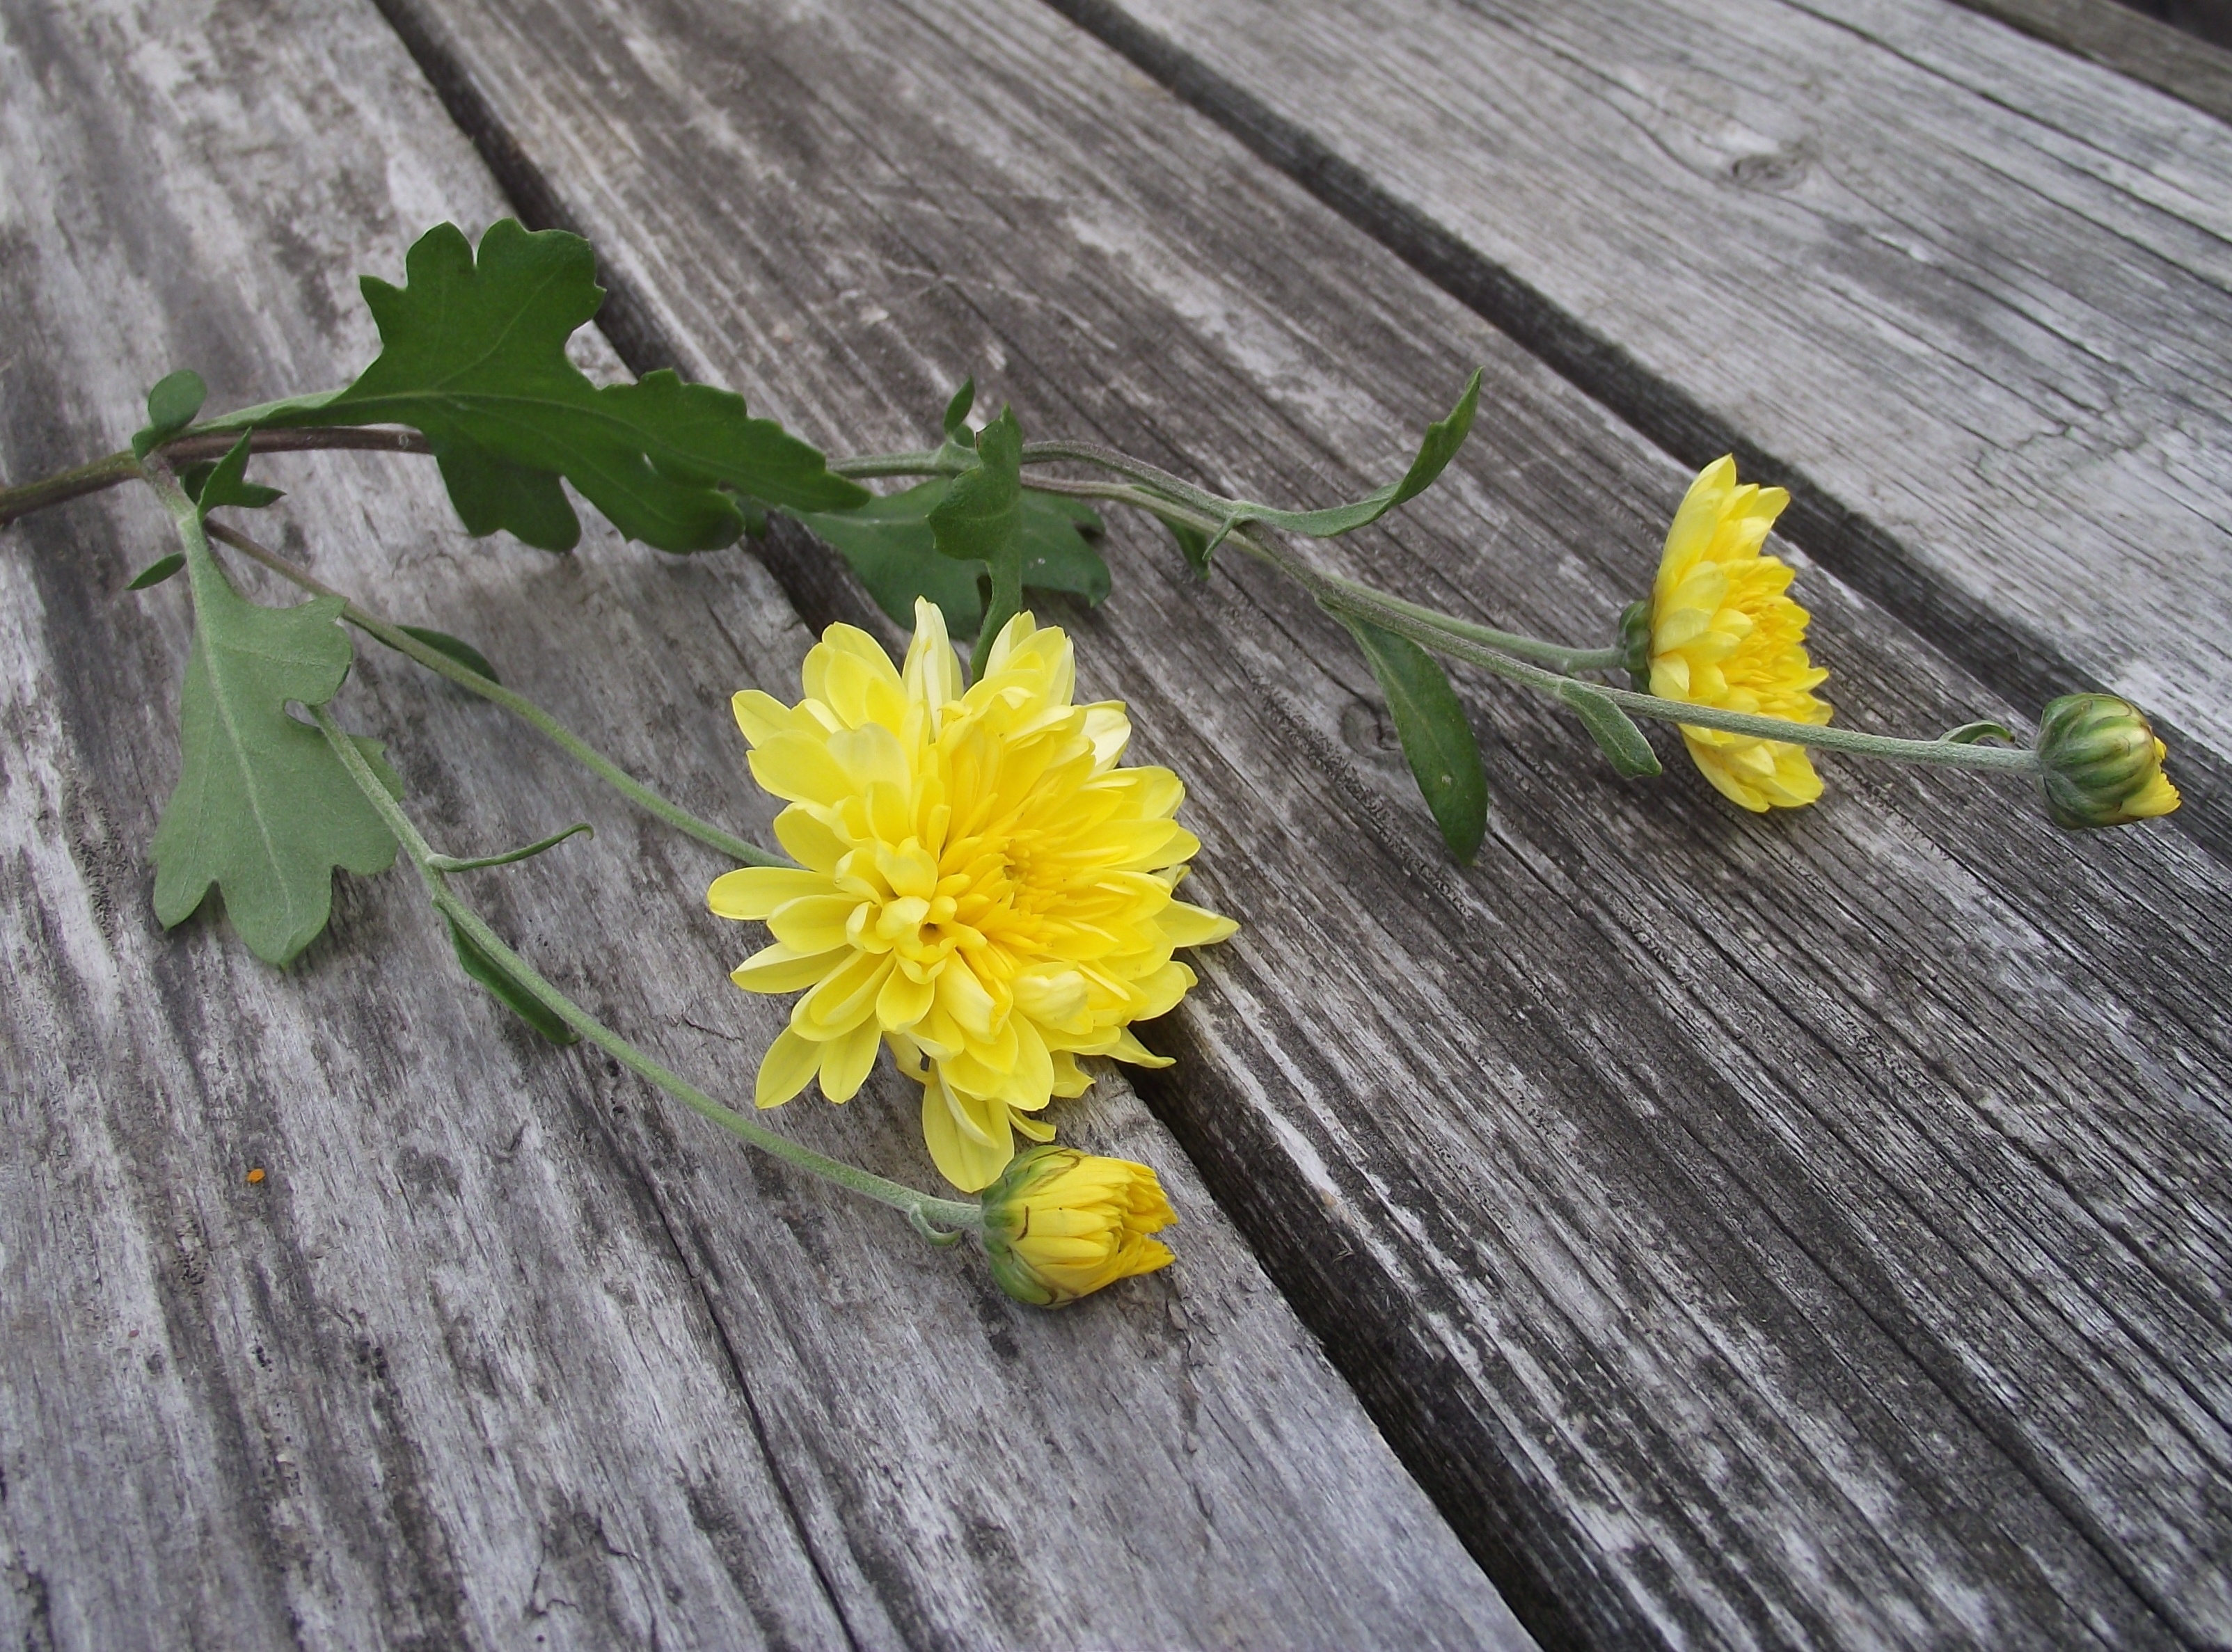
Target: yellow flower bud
x,y
1059,1224
2101,762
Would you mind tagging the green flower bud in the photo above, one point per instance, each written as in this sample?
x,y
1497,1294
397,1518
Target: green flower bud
x,y
2102,763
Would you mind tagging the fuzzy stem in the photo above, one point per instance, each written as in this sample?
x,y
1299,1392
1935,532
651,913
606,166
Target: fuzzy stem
x,y
189,450
896,1195
465,678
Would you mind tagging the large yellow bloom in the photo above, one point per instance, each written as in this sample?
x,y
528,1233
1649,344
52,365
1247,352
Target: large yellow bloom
x,y
979,885
1723,633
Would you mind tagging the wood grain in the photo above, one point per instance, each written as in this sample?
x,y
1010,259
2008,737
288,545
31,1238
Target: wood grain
x,y
503,1350
2185,50
1810,1230
1965,292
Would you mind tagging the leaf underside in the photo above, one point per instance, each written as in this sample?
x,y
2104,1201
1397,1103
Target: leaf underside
x,y
473,357
263,810
1437,738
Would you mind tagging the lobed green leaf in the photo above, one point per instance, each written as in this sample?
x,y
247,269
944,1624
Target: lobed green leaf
x,y
263,810
888,543
473,357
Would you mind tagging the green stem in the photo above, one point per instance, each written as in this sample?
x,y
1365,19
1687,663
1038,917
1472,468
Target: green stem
x,y
927,461
465,678
189,450
422,855
1556,656
1368,605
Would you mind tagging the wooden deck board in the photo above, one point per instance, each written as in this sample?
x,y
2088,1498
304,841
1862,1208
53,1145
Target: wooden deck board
x,y
503,1352
1967,293
1811,1230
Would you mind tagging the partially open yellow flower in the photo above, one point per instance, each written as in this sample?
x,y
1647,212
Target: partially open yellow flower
x,y
1059,1224
979,885
1723,633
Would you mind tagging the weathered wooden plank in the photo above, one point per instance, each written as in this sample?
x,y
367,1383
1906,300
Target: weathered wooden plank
x,y
2171,48
1755,1232
1966,293
503,1352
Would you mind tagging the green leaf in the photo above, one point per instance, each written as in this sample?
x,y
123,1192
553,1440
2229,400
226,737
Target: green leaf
x,y
1970,733
157,571
171,406
1437,736
264,809
956,411
473,356
507,990
981,520
1193,545
455,647
889,545
226,483
1442,442
509,856
1613,729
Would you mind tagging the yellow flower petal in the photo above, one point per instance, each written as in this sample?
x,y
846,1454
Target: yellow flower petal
x,y
755,891
789,1062
983,887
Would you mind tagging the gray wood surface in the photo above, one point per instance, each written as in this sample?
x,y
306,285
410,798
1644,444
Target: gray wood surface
x,y
503,1351
1970,294
2185,50
1801,1231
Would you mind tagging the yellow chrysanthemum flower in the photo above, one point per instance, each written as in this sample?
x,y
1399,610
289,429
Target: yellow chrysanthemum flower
x,y
979,885
1723,633
1059,1224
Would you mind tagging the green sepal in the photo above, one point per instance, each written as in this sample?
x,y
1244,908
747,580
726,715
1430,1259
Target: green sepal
x,y
171,406
889,546
1970,733
456,648
955,421
157,571
1443,439
507,990
473,356
1437,735
1613,730
264,809
226,483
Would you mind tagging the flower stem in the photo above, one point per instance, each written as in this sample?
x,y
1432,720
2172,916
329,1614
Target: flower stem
x,y
434,660
1366,604
922,1206
189,450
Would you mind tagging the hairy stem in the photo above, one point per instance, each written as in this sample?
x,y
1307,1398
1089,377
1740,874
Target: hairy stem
x,y
422,855
434,660
190,449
